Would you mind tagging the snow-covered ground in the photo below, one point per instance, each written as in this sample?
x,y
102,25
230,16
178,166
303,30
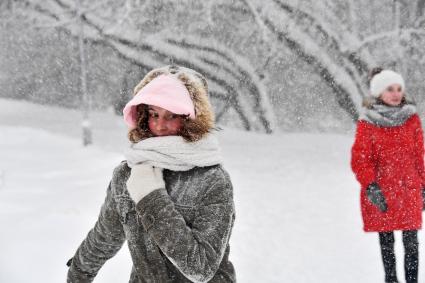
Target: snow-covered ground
x,y
298,216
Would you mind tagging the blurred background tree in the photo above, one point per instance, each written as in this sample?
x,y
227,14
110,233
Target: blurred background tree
x,y
295,65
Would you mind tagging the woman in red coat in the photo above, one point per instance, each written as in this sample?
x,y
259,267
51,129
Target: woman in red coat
x,y
388,161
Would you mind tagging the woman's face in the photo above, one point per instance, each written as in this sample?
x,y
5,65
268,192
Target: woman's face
x,y
162,122
392,95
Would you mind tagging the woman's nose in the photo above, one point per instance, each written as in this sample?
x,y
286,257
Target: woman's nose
x,y
161,124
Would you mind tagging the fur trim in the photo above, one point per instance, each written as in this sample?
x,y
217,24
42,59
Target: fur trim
x,y
196,84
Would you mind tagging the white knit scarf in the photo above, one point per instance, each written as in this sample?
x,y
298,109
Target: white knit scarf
x,y
174,153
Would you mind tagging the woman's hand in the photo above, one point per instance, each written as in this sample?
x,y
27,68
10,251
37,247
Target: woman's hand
x,y
375,196
143,180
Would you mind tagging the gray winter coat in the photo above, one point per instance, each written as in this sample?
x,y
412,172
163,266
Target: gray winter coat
x,y
177,234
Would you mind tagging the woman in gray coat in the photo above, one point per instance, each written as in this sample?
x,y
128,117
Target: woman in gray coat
x,y
171,199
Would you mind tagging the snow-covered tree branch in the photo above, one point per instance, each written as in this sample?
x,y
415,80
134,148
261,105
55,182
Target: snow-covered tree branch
x,y
233,80
258,56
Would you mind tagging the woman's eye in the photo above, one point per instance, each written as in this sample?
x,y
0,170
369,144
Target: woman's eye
x,y
152,115
171,117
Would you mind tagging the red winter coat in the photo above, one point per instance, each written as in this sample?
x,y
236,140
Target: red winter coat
x,y
393,157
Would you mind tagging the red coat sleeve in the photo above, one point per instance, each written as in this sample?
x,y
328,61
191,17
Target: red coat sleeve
x,y
419,149
362,156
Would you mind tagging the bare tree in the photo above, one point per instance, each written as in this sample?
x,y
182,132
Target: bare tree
x,y
336,39
87,133
330,52
234,82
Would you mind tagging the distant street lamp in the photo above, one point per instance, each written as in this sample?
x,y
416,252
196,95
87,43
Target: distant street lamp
x,y
86,125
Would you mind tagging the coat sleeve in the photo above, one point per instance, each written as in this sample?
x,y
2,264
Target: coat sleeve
x,y
196,251
101,243
362,156
419,150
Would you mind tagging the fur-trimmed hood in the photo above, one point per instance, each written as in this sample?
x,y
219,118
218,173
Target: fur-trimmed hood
x,y
196,84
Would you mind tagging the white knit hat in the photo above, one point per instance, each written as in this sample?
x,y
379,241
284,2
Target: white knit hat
x,y
383,80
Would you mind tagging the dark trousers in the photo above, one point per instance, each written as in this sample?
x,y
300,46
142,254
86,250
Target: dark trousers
x,y
411,255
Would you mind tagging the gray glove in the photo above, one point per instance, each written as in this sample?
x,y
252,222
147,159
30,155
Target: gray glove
x,y
375,196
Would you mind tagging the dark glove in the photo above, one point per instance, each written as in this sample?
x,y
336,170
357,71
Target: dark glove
x,y
69,262
375,196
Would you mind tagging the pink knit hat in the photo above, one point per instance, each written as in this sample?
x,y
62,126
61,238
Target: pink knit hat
x,y
165,91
